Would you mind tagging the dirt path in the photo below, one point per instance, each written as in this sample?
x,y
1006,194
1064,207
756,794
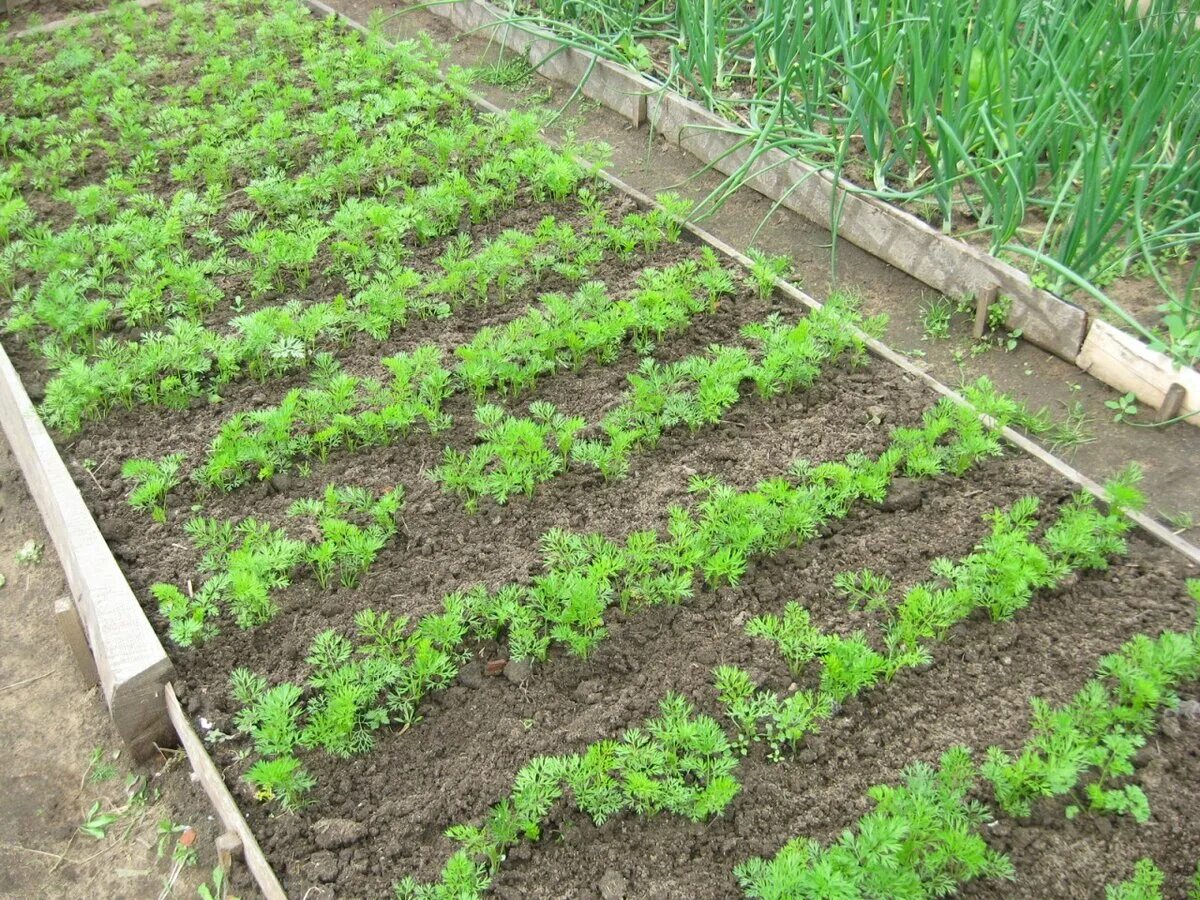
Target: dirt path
x,y
62,755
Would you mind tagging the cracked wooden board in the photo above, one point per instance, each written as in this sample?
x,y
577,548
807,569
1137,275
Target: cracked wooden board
x,y
1125,363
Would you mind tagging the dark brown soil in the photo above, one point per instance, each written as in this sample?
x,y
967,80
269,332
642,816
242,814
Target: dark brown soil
x,y
412,786
478,733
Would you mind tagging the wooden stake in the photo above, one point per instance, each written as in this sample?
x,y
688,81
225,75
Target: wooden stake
x,y
229,848
70,628
1172,403
983,303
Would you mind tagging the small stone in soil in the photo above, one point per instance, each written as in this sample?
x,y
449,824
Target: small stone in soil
x,y
1188,709
518,671
904,495
612,885
495,667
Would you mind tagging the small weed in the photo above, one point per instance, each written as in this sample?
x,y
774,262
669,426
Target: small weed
x,y
219,889
30,553
100,769
1123,407
165,836
1074,429
514,73
1181,521
998,312
935,318
98,821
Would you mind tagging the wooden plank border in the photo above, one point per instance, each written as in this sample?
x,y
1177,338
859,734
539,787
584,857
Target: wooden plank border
x,y
1117,359
948,265
72,21
131,663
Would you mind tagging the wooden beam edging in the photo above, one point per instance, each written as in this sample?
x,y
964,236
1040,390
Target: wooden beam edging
x,y
72,21
231,817
941,261
1123,362
131,663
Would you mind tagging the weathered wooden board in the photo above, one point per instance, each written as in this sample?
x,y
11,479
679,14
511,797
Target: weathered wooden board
x,y
944,263
130,660
218,795
1122,361
72,21
618,88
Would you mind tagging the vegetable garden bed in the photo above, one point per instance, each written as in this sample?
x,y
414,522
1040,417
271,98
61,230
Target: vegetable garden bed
x,y
567,465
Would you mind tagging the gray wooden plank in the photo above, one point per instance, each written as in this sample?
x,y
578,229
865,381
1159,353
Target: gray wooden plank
x,y
130,661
